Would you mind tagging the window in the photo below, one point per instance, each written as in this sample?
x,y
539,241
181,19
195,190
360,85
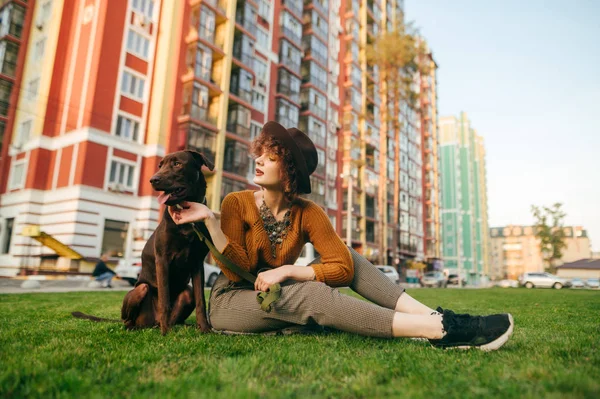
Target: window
x,y
262,38
39,49
289,85
235,159
127,128
290,56
10,222
203,65
258,101
121,173
195,101
5,89
238,121
137,44
206,29
287,114
255,130
260,69
313,73
24,133
314,102
144,7
17,179
230,185
320,162
32,89
314,128
132,86
264,9
317,23
8,57
291,27
202,140
315,48
114,239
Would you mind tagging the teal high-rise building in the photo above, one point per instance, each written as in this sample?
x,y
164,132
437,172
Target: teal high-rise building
x,y
464,199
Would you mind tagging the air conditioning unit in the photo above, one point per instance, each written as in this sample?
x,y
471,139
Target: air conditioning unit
x,y
331,153
142,21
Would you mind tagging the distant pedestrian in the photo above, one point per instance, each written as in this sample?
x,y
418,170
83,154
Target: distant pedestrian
x,y
103,273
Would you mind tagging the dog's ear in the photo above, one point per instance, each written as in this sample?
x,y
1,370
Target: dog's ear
x,y
201,159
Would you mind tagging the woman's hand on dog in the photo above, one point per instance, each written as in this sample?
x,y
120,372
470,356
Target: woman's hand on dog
x,y
190,212
265,279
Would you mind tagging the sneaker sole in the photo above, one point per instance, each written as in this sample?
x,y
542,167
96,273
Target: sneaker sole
x,y
495,344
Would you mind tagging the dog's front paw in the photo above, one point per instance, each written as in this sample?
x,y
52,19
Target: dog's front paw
x,y
204,327
164,324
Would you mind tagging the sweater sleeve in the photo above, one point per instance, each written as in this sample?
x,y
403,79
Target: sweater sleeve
x,y
336,268
232,225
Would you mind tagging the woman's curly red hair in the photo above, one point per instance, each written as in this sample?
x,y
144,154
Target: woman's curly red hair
x,y
265,143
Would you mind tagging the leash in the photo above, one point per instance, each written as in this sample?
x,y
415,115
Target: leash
x,y
265,299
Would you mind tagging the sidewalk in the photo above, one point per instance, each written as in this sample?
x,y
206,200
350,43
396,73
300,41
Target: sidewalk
x,y
57,284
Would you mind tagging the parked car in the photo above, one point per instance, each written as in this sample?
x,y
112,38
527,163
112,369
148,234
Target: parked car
x,y
541,279
507,284
593,283
434,279
453,280
390,272
577,283
129,270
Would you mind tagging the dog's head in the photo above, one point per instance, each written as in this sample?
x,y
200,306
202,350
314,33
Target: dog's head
x,y
180,177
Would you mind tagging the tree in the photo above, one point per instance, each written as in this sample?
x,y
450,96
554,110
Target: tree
x,y
549,229
399,56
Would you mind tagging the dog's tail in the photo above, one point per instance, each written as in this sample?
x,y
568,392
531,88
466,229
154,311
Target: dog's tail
x,y
80,315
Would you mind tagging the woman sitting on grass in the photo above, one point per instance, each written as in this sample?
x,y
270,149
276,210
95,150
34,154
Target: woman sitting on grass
x,y
264,232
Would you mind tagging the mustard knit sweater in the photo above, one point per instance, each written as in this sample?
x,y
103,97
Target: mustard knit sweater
x,y
249,246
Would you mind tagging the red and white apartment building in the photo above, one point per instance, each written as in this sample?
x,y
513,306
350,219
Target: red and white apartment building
x,y
94,92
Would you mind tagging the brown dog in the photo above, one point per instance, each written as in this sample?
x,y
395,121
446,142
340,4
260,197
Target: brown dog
x,y
173,254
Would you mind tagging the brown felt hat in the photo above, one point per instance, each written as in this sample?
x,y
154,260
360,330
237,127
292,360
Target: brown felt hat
x,y
303,150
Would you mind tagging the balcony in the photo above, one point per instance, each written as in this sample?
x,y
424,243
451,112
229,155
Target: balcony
x,y
291,35
241,84
314,22
244,57
320,5
202,140
311,107
245,16
290,56
235,157
238,120
8,68
287,91
294,6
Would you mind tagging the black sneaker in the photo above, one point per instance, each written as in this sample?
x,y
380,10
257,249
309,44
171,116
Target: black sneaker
x,y
464,331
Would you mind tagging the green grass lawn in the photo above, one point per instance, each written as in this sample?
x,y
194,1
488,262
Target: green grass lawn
x,y
44,352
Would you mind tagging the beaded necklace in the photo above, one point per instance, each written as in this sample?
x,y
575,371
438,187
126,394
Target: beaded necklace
x,y
276,230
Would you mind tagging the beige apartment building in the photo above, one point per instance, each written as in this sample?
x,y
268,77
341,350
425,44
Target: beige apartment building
x,y
516,250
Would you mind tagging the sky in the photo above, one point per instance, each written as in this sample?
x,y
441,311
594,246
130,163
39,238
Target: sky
x,y
527,73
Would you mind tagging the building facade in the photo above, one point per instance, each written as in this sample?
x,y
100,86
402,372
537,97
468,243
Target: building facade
x,y
114,86
431,163
516,250
464,199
